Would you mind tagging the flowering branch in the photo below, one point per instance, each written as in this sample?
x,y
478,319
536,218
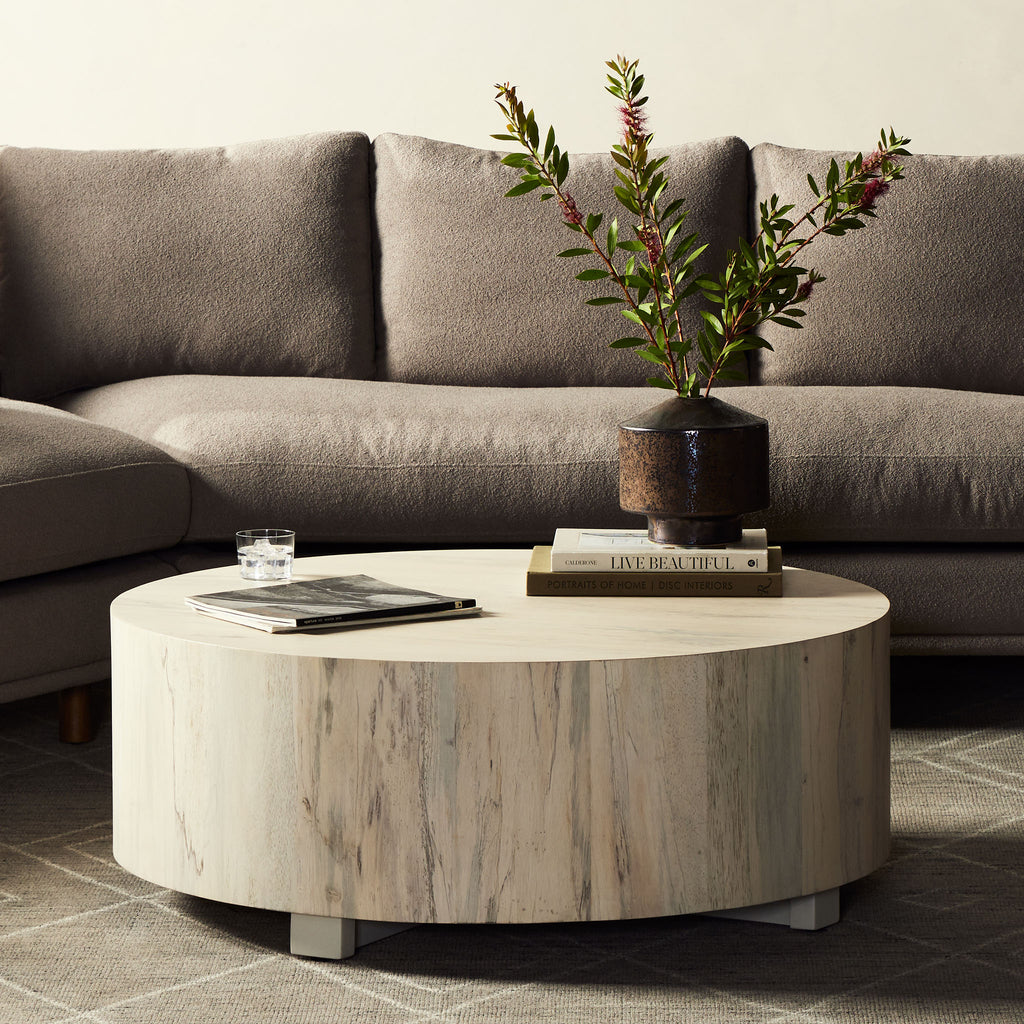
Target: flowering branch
x,y
550,169
760,282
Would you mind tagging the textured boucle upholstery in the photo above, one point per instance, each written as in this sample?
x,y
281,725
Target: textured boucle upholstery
x,y
59,623
245,259
379,461
471,288
929,293
73,492
385,461
891,464
940,590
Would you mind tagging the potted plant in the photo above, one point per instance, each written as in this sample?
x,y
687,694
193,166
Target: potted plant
x,y
693,464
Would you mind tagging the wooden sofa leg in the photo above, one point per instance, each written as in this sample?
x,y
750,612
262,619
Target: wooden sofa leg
x,y
75,713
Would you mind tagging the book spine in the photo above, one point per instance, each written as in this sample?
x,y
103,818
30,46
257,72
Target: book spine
x,y
381,614
679,584
704,562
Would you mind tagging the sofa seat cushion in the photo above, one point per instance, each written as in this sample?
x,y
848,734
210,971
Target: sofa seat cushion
x,y
73,492
891,464
471,288
929,291
376,461
247,259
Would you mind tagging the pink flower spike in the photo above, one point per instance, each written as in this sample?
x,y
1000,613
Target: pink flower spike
x,y
634,121
570,210
652,243
872,162
872,190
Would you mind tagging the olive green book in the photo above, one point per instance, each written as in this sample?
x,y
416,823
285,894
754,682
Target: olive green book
x,y
542,582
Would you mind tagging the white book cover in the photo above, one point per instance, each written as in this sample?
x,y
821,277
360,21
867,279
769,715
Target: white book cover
x,y
580,550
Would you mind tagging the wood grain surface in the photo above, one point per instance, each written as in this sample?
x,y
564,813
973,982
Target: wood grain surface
x,y
555,759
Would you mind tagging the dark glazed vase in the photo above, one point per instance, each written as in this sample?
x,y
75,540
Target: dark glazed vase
x,y
694,467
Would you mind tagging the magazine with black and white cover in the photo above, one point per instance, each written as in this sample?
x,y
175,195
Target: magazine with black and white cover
x,y
334,602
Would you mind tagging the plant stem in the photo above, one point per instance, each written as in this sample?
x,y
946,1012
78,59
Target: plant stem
x,y
552,183
631,144
730,324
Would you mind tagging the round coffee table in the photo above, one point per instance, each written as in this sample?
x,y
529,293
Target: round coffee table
x,y
556,759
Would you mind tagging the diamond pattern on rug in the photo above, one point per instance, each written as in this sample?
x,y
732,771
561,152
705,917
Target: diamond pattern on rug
x,y
937,934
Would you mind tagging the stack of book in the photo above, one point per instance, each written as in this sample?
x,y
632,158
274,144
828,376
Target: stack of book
x,y
624,563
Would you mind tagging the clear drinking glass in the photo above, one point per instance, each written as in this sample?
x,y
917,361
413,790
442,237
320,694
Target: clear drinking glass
x,y
265,554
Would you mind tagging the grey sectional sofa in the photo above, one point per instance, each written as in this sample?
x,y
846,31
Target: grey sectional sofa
x,y
367,343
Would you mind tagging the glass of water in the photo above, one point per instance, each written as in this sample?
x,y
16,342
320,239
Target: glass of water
x,y
265,554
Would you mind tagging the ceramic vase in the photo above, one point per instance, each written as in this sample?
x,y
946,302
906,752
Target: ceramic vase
x,y
694,467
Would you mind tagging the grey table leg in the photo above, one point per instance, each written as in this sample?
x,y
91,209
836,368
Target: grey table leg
x,y
337,938
818,910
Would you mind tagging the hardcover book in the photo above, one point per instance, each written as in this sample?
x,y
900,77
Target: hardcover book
x,y
335,602
632,551
541,581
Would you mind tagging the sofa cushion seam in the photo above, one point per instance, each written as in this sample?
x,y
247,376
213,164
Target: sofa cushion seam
x,y
90,472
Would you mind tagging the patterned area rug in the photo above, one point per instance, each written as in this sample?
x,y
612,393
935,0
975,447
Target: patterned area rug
x,y
937,935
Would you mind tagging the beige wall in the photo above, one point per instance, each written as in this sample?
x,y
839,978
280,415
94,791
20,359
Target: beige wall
x,y
120,73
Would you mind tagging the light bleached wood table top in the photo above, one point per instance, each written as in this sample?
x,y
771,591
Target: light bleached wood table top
x,y
553,759
514,627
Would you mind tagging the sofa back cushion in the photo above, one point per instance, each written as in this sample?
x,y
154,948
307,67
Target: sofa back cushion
x,y
251,259
471,288
929,293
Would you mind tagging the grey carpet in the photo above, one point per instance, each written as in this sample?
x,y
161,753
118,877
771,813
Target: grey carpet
x,y
937,935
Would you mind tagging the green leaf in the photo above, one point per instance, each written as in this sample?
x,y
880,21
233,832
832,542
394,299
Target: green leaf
x,y
785,321
526,186
748,254
685,245
660,382
672,207
629,342
713,322
832,181
653,356
613,236
814,186
563,169
605,300
506,138
576,252
731,374
592,275
517,160
594,222
532,131
549,144
691,259
627,199
704,346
